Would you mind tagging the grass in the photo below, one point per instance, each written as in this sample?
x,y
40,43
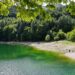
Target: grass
x,y
19,51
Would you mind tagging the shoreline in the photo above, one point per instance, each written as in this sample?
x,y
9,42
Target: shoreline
x,y
50,46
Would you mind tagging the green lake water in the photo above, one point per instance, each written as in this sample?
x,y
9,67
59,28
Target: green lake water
x,y
34,62
27,66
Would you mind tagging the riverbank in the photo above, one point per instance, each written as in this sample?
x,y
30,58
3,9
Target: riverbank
x,y
63,47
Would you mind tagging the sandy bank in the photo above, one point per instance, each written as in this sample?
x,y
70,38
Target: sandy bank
x,y
67,49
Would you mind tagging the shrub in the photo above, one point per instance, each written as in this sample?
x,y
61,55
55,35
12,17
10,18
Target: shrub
x,y
47,38
71,35
60,35
52,34
56,38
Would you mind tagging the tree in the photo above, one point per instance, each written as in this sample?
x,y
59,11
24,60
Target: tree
x,y
71,8
66,23
29,9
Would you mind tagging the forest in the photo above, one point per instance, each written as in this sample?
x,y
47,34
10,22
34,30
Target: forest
x,y
59,24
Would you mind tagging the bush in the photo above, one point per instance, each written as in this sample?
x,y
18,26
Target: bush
x,y
52,34
56,38
60,35
71,35
47,38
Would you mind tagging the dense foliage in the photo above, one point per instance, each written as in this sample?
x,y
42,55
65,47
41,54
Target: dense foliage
x,y
28,10
13,29
52,27
71,35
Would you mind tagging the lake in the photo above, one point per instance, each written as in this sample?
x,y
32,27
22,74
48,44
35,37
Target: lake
x,y
28,66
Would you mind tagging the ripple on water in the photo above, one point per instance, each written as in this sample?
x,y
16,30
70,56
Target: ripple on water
x,y
27,66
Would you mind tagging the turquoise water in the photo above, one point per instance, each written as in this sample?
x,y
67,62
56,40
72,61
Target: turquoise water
x,y
27,66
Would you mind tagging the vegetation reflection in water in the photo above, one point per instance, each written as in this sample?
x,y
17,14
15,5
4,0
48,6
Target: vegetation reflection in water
x,y
36,62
